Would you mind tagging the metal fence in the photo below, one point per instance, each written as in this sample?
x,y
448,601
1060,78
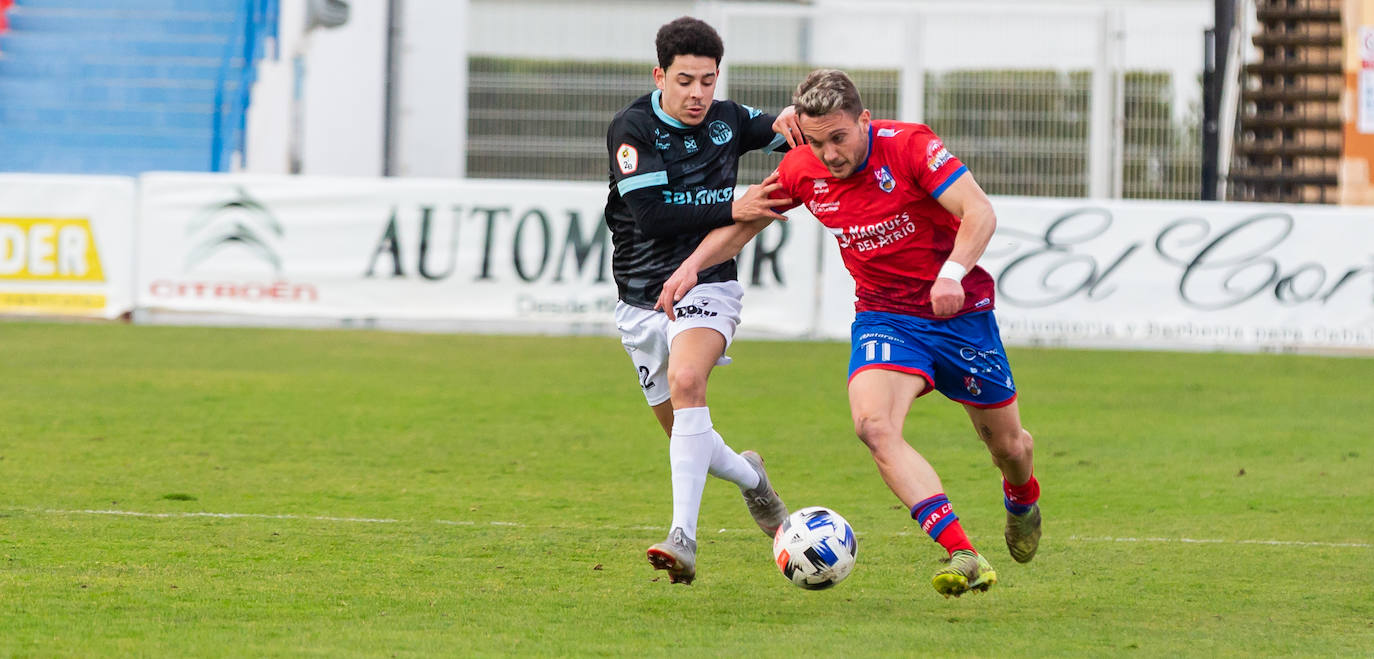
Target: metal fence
x,y
1095,126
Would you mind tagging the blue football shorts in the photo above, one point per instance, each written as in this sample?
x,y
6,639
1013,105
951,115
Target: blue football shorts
x,y
961,357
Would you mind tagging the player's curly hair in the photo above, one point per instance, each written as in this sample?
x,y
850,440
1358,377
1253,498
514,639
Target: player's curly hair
x,y
825,91
687,36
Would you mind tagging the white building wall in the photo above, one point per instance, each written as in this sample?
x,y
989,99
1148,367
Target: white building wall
x,y
342,104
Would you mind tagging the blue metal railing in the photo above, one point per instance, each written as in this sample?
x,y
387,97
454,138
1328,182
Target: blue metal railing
x,y
254,27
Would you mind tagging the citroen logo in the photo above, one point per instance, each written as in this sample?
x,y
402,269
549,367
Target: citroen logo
x,y
242,222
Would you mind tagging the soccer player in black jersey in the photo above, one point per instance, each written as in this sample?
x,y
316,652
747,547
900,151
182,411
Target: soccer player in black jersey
x,y
674,156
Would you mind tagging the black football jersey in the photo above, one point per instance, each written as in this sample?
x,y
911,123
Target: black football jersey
x,y
671,184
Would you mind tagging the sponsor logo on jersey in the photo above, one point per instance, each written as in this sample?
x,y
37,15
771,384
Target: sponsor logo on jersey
x,y
698,197
937,155
690,143
889,132
885,181
661,141
628,158
819,207
819,187
720,132
872,236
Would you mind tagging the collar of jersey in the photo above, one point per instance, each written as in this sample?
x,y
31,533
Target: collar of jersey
x,y
664,116
864,165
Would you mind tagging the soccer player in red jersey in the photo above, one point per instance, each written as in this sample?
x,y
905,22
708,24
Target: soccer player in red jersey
x,y
911,224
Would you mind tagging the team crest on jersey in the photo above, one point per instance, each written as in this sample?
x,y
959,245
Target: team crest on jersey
x,y
720,132
689,143
819,187
885,181
628,158
937,155
971,384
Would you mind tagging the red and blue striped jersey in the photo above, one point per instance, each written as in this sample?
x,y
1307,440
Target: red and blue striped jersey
x,y
893,233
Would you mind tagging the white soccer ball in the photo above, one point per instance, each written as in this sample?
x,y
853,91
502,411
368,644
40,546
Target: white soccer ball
x,y
815,548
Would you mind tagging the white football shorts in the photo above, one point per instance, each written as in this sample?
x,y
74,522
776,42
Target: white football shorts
x,y
647,335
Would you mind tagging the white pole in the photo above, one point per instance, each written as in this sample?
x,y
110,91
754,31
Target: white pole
x,y
431,122
911,103
1100,130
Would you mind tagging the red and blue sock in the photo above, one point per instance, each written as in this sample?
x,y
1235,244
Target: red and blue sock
x,y
936,517
1018,499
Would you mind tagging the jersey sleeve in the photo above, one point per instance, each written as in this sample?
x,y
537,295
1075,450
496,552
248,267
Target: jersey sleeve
x,y
640,177
787,179
758,131
934,166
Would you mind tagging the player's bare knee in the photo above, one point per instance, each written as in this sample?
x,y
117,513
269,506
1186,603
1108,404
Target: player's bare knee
x,y
875,431
687,383
1013,446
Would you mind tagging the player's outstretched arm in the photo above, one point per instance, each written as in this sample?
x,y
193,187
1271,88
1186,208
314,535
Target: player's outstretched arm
x,y
967,201
753,212
717,247
757,203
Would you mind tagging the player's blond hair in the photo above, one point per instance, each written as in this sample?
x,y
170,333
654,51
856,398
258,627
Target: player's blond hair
x,y
825,91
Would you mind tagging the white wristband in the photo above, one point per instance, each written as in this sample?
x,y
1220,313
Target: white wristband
x,y
952,270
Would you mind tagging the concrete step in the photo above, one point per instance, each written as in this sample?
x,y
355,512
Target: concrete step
x,y
113,92
18,43
122,22
153,116
127,162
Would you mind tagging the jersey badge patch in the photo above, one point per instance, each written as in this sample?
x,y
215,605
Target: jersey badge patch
x,y
937,155
720,132
689,143
628,158
885,181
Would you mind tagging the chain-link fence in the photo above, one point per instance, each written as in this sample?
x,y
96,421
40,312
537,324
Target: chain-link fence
x,y
1021,131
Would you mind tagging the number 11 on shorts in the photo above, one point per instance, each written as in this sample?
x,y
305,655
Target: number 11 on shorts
x,y
871,350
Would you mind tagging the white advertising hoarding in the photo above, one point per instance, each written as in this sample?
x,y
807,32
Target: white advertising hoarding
x,y
1168,275
509,253
66,245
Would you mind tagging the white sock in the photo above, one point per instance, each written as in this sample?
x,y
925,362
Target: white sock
x,y
689,454
725,462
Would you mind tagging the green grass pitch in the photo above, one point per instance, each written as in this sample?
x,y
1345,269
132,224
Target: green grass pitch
x,y
240,492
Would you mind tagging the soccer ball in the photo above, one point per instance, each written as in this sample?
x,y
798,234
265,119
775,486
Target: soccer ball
x,y
815,548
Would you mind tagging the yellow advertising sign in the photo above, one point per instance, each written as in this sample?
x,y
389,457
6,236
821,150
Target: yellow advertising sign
x,y
51,303
48,249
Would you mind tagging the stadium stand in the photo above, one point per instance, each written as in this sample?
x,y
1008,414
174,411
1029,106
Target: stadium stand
x,y
125,86
1291,126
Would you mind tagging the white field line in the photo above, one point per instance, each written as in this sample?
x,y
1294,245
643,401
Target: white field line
x,y
131,513
1201,541
450,522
